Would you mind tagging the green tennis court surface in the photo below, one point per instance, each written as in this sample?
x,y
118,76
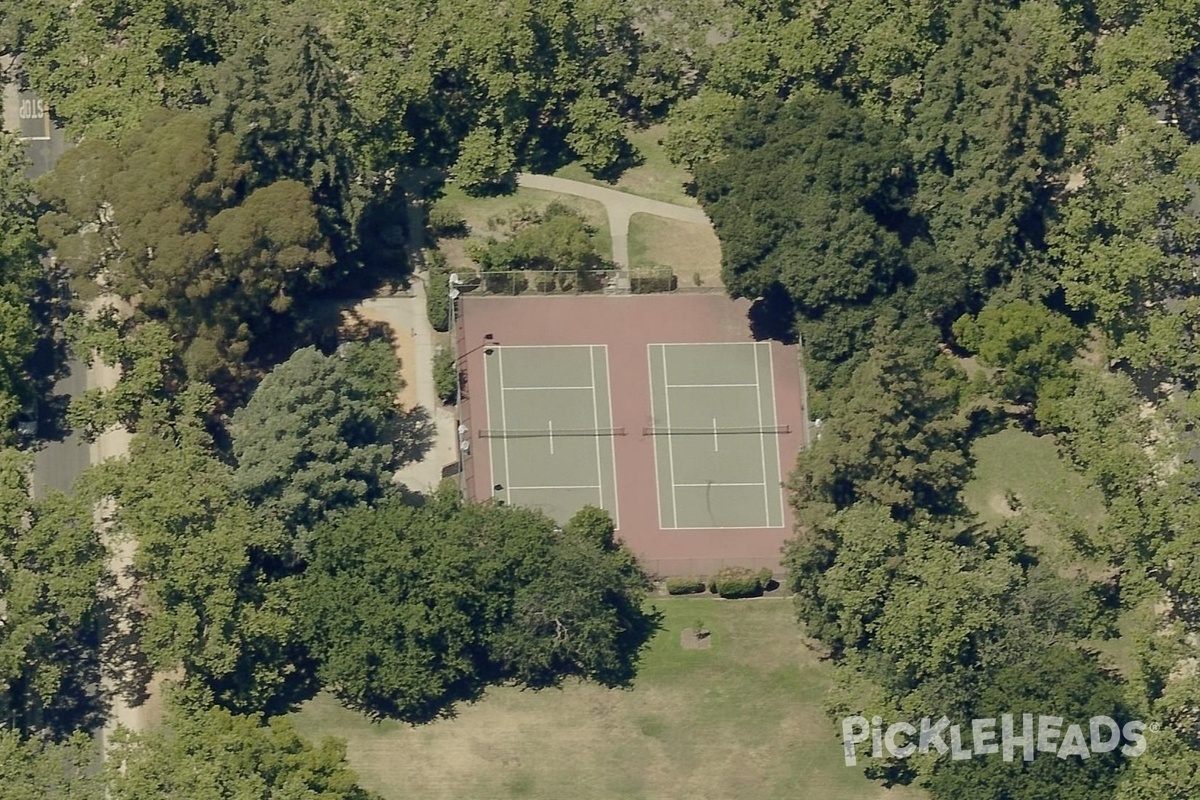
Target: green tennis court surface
x,y
716,443
550,427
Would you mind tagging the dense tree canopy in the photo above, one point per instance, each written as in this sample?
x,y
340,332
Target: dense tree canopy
x,y
216,754
321,433
19,273
172,217
812,196
411,610
52,576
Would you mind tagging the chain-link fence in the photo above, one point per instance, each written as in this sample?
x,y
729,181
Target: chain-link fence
x,y
540,282
701,567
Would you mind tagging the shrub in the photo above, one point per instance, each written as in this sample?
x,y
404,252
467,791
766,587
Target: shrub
x,y
685,585
437,296
735,582
445,376
445,221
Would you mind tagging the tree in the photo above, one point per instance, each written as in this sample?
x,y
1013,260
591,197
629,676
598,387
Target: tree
x,y
172,217
984,138
1068,683
445,375
697,126
215,754
812,197
19,273
558,238
597,134
899,439
103,68
486,162
320,433
412,610
1030,346
35,769
281,94
52,575
215,571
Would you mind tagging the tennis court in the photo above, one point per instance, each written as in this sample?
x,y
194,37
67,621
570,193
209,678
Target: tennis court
x,y
549,416
716,434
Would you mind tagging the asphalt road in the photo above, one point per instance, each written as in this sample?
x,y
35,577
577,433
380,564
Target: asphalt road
x,y
61,459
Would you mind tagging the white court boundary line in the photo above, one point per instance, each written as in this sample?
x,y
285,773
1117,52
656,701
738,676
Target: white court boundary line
x,y
714,483
612,445
596,420
654,419
762,439
670,444
504,423
709,385
775,421
547,388
543,488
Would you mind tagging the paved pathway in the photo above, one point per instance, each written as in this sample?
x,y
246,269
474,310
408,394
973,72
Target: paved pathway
x,y
620,206
415,338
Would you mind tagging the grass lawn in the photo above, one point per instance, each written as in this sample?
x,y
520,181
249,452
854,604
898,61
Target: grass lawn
x,y
687,248
656,177
1052,496
741,720
480,213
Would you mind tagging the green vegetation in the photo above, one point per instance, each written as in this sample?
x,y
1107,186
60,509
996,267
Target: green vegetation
x,y
686,585
322,433
736,582
445,375
19,274
691,717
684,247
1019,475
484,595
897,186
556,238
653,174
51,571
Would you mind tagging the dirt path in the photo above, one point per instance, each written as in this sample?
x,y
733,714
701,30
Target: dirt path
x,y
136,703
620,206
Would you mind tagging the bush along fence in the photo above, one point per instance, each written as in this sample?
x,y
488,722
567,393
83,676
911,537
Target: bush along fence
x,y
729,582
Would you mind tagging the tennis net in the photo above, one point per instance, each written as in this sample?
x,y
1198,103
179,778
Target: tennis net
x,y
529,433
758,431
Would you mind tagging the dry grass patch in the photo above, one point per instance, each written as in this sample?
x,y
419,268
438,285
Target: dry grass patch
x,y
484,215
655,177
742,719
690,250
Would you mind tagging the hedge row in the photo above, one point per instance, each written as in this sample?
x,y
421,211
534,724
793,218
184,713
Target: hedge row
x,y
730,583
686,585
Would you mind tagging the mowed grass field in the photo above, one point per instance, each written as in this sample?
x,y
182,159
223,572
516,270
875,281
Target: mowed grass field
x,y
1054,500
742,720
1052,497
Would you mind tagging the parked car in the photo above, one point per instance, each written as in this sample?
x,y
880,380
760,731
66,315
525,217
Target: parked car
x,y
27,420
